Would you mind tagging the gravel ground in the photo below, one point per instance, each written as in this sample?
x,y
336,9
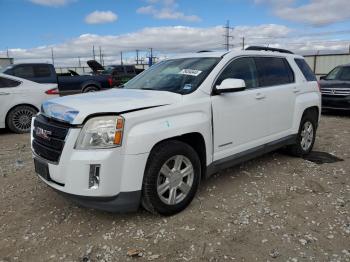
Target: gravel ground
x,y
274,208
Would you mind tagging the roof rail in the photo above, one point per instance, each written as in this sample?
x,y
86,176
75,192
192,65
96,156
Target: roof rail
x,y
263,48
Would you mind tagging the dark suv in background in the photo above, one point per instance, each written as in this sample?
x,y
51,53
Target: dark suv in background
x,y
335,88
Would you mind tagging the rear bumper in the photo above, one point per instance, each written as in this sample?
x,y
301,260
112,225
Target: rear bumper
x,y
336,103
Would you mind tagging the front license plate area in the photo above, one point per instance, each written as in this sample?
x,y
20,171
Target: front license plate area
x,y
42,169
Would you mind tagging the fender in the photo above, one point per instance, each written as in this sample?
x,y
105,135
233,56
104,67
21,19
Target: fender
x,y
303,102
142,137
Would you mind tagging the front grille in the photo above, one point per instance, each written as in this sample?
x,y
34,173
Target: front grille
x,y
335,91
49,138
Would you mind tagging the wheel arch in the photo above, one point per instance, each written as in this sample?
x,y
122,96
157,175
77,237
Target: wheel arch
x,y
13,107
196,141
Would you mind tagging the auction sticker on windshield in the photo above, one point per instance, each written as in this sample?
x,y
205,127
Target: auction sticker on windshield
x,y
190,72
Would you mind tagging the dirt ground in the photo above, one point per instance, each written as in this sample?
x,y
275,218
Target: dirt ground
x,y
274,208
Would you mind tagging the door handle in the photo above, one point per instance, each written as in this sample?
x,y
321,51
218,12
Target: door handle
x,y
4,94
259,96
296,90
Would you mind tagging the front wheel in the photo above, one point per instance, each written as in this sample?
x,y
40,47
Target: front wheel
x,y
306,136
171,178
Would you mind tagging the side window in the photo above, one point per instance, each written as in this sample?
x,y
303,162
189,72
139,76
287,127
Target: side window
x,y
345,74
130,69
334,74
305,69
241,68
42,71
5,82
273,71
23,71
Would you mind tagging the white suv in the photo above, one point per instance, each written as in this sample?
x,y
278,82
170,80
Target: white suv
x,y
155,139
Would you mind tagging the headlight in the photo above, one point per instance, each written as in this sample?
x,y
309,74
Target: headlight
x,y
101,132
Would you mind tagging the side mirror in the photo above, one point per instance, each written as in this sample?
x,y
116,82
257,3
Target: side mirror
x,y
323,78
231,85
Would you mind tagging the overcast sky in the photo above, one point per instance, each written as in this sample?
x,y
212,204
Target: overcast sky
x,y
30,28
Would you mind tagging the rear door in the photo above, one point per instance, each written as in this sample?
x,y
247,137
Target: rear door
x,y
8,90
278,82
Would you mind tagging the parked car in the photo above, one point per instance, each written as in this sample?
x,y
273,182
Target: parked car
x,y
120,73
182,120
335,88
20,100
67,84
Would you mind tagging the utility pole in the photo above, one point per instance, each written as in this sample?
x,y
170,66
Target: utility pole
x,y
121,58
228,35
100,55
79,61
243,43
7,53
93,52
52,57
137,57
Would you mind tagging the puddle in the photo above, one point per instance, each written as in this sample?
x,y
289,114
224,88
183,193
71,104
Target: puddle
x,y
322,158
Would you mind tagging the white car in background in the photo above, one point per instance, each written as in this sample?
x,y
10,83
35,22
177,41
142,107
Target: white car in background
x,y
20,100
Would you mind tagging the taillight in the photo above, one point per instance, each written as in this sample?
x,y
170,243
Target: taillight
x,y
53,91
110,82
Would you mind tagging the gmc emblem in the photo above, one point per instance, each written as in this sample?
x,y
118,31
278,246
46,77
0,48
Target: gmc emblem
x,y
42,133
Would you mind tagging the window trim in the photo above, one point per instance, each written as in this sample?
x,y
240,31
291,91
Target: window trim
x,y
258,80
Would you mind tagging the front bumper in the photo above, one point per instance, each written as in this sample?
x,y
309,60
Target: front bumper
x,y
120,176
336,102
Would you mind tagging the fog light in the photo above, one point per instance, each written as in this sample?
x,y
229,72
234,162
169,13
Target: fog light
x,y
94,176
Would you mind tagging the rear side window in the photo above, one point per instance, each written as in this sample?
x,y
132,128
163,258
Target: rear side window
x,y
42,71
273,71
5,82
23,71
305,69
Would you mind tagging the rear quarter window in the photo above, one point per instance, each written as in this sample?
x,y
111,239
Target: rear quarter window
x,y
305,69
5,82
273,71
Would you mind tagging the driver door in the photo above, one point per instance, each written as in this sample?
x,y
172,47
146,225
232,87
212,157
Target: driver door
x,y
240,119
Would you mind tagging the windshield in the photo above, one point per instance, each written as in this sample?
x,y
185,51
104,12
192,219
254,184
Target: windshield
x,y
108,70
333,74
181,76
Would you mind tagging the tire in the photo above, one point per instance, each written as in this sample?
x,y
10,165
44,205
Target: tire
x,y
165,190
306,136
90,89
19,119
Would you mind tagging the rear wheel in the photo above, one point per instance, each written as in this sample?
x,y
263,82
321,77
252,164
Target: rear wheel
x,y
19,119
306,136
90,89
171,178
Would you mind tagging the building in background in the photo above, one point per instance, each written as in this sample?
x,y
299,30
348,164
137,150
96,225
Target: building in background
x,y
322,64
5,61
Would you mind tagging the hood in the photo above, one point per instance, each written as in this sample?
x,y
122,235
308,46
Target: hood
x,y
333,84
95,66
74,109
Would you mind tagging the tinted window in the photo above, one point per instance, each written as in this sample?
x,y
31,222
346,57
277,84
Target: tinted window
x,y
5,82
345,74
130,69
241,68
42,71
273,71
24,71
305,69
